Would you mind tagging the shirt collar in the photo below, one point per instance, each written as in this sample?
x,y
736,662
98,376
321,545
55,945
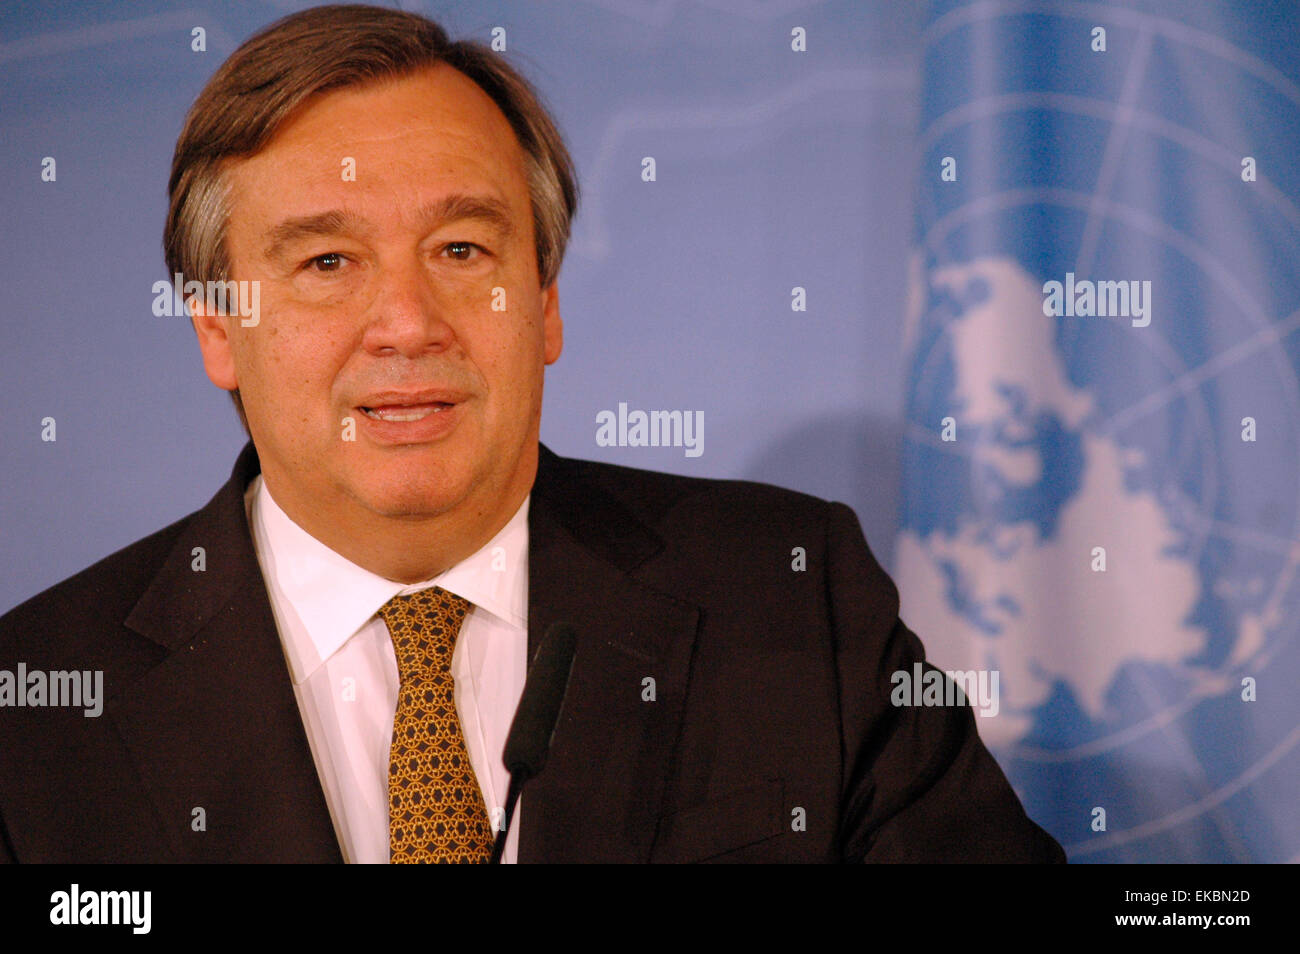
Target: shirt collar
x,y
333,597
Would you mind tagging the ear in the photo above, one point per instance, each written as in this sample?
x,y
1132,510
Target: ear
x,y
213,332
552,326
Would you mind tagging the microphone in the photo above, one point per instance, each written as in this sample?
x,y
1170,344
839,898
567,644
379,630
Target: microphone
x,y
533,727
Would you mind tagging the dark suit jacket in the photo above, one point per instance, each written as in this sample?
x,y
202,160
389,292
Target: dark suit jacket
x,y
770,736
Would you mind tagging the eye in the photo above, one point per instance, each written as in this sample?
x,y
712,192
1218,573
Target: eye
x,y
462,251
329,262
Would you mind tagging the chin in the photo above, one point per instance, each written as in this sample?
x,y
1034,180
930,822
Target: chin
x,y
412,489
410,503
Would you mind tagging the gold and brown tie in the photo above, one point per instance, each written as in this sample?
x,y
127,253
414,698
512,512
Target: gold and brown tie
x,y
435,807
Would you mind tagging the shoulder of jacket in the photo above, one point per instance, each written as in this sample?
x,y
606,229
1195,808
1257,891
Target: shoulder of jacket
x,y
657,497
101,595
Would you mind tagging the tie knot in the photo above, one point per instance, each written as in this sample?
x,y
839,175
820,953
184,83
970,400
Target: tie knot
x,y
424,627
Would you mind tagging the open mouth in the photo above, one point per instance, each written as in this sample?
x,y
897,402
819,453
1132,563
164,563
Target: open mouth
x,y
405,412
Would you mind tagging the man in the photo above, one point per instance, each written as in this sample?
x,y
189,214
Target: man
x,y
322,663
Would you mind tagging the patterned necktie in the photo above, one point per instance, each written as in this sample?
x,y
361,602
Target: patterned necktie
x,y
435,807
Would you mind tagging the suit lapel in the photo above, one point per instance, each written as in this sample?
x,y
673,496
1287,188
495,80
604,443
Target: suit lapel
x,y
599,796
215,725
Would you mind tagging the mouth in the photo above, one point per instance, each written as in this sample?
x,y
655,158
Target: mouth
x,y
405,412
394,418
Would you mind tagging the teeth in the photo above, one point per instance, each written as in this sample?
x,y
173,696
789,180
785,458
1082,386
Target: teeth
x,y
396,414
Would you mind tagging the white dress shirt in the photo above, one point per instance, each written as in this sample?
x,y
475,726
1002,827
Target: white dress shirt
x,y
344,669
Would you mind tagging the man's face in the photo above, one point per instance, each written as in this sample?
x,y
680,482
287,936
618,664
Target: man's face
x,y
377,304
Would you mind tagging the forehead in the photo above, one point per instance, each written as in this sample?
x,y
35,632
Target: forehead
x,y
410,140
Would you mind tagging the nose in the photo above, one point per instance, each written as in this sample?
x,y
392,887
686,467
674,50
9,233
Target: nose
x,y
407,316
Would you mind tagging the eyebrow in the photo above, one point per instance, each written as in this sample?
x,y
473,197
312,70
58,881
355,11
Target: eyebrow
x,y
456,207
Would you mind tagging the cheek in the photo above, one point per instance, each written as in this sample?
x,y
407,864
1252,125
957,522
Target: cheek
x,y
516,348
294,356
518,374
495,337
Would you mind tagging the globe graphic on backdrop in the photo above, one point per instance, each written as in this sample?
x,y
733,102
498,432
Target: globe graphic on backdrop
x,y
1127,684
